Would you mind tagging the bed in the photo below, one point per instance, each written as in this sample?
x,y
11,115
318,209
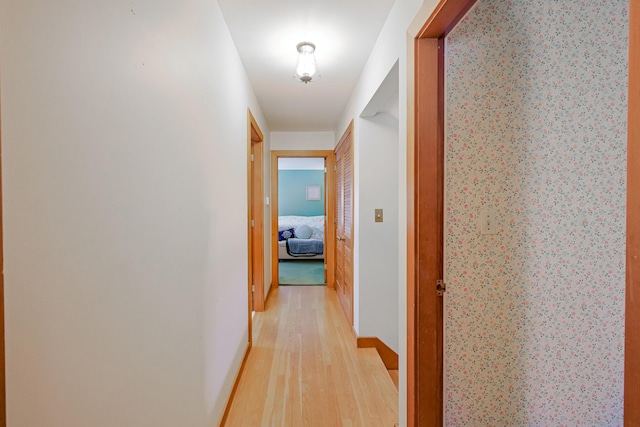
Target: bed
x,y
300,237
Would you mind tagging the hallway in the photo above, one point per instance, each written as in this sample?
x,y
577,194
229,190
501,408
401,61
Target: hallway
x,y
304,368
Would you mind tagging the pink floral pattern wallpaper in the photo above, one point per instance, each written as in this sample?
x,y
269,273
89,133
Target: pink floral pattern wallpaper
x,y
536,95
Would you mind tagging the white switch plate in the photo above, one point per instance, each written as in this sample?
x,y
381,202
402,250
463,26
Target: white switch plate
x,y
488,221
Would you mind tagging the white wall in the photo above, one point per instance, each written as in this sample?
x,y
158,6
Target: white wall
x,y
125,273
303,140
378,241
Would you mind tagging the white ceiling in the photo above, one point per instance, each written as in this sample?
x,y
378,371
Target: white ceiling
x,y
266,33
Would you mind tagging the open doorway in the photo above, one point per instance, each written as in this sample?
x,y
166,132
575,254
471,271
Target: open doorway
x,y
301,221
301,209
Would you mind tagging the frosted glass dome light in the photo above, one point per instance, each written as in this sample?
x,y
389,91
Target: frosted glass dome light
x,y
306,69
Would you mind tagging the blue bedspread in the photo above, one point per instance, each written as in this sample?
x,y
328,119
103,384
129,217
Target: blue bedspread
x,y
305,247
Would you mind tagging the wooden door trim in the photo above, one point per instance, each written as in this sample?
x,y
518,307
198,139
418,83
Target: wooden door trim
x,y
3,392
632,318
444,18
425,214
329,236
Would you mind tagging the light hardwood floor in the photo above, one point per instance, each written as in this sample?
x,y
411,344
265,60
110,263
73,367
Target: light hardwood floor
x,y
304,369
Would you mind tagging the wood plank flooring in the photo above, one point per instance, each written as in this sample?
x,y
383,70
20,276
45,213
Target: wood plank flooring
x,y
304,369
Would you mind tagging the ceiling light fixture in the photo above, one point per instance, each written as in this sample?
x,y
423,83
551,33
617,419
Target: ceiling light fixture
x,y
307,68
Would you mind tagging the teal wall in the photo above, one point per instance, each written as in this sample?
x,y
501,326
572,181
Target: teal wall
x,y
292,192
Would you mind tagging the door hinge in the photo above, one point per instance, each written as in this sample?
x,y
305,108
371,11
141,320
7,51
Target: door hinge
x,y
253,223
253,288
252,158
325,170
441,288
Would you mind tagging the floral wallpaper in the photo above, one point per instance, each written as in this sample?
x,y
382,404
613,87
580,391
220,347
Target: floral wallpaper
x,y
536,95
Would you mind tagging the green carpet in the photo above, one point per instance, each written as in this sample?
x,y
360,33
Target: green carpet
x,y
301,272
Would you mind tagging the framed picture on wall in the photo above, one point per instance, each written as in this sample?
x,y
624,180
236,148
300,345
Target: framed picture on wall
x,y
314,192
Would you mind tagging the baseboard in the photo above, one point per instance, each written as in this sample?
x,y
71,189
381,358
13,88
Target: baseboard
x,y
388,356
235,387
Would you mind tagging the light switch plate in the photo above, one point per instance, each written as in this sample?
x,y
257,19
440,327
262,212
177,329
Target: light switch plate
x,y
488,221
378,215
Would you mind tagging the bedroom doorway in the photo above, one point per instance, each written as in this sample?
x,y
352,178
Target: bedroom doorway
x,y
301,183
301,213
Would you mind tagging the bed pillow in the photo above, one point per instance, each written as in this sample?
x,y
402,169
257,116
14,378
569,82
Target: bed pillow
x,y
303,232
318,233
285,234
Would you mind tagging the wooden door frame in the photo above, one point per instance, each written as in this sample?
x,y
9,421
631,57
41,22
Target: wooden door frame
x,y
632,317
425,214
425,191
255,208
3,390
329,235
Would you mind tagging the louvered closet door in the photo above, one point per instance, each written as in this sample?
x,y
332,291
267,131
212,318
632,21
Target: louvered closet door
x,y
339,265
344,224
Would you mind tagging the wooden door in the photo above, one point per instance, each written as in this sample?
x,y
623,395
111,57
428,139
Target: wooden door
x,y
256,216
257,234
344,223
